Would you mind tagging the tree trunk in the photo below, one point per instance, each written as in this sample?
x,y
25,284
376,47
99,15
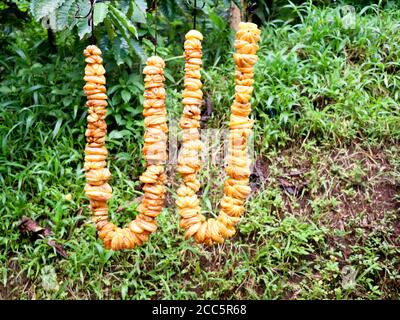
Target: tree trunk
x,y
235,16
51,38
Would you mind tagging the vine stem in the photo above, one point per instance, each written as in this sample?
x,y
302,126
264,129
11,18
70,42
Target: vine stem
x,y
174,58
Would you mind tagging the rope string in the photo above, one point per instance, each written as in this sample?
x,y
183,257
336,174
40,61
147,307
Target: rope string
x,y
89,15
155,28
194,11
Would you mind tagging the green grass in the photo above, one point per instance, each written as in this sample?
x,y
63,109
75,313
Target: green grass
x,y
322,222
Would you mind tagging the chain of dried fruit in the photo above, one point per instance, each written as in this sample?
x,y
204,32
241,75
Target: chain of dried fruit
x,y
236,186
154,152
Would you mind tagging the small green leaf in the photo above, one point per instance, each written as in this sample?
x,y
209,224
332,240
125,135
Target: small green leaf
x,y
43,8
134,46
169,76
137,48
139,11
141,5
130,9
120,17
116,135
126,95
124,291
65,15
62,92
100,12
67,101
82,24
4,89
34,88
110,29
120,50
57,127
99,248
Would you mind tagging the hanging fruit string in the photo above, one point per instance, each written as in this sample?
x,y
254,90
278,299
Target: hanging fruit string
x,y
194,12
155,28
236,186
154,152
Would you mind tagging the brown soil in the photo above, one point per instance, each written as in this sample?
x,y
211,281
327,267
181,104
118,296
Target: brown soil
x,y
373,189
